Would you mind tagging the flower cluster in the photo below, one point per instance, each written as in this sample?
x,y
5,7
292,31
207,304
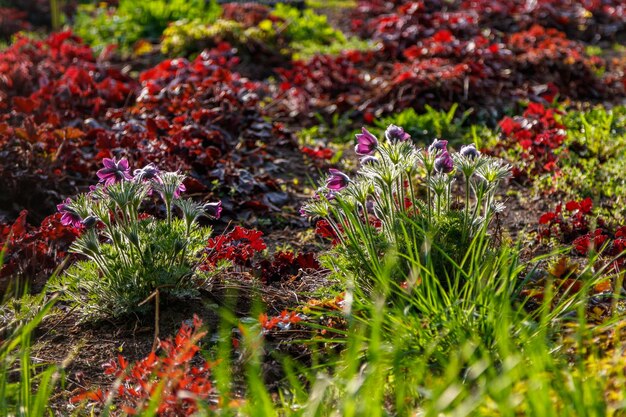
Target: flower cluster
x,y
384,194
127,254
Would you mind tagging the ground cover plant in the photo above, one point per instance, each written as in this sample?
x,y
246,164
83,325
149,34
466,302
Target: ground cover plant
x,y
312,208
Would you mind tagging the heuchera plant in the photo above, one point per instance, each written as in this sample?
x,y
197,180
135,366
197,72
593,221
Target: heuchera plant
x,y
402,199
127,254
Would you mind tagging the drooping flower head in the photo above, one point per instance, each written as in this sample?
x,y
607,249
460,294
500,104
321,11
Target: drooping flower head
x,y
213,210
366,143
114,171
179,190
90,221
147,173
369,159
337,180
438,146
469,151
396,133
69,216
444,163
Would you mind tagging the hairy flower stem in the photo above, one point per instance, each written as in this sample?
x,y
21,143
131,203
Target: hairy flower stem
x,y
428,197
466,220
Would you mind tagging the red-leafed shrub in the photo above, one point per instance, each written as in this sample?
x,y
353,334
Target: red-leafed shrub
x,y
285,265
282,321
31,252
179,378
238,246
11,21
537,135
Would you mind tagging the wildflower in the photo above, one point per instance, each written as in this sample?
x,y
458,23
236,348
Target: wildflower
x,y
438,146
147,173
179,190
396,133
70,217
90,221
213,209
444,163
469,151
114,171
337,180
366,143
369,160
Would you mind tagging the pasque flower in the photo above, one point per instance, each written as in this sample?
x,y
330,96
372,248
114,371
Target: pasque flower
x,y
69,216
337,180
366,143
438,146
396,133
213,209
369,159
179,190
114,171
444,163
149,172
469,151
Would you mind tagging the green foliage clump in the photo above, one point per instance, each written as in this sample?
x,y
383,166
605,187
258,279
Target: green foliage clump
x,y
185,37
127,257
306,26
299,33
100,25
593,164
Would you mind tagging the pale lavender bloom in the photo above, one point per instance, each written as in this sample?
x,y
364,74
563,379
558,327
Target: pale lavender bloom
x,y
114,171
69,216
366,143
213,209
369,159
469,151
149,172
438,146
337,180
90,221
444,163
396,133
179,190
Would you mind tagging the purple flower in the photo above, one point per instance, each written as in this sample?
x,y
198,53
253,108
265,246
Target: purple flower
x,y
369,160
149,172
438,146
114,171
396,133
180,189
337,180
469,151
90,221
366,143
69,217
213,209
444,163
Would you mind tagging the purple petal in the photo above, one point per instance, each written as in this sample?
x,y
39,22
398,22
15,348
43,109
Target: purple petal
x,y
123,164
109,163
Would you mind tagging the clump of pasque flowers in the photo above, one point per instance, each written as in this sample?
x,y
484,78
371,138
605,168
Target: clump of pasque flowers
x,y
125,255
400,184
